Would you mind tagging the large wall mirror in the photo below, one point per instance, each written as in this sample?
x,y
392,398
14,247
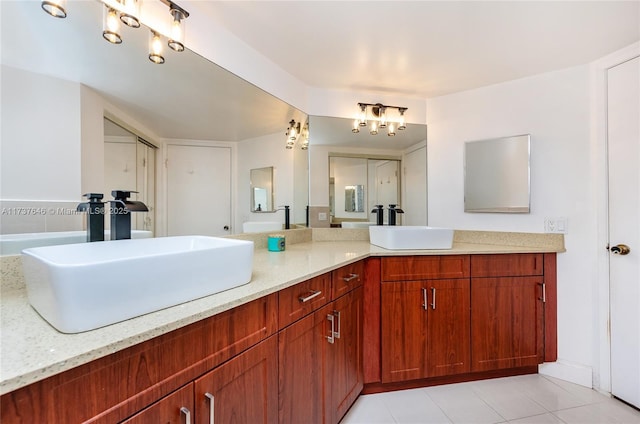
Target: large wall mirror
x,y
497,175
70,78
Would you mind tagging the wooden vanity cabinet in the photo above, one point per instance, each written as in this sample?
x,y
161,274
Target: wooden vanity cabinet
x,y
425,321
507,311
320,357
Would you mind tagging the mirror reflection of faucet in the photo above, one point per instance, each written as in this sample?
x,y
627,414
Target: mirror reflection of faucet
x,y
121,207
287,221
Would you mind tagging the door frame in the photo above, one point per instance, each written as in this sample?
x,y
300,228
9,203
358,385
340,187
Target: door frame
x,y
162,223
602,337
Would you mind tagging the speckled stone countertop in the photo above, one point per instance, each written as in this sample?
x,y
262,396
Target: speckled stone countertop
x,y
31,350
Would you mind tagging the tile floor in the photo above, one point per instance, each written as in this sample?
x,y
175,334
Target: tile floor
x,y
527,399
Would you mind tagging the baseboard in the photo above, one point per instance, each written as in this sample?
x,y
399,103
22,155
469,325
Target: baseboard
x,y
568,371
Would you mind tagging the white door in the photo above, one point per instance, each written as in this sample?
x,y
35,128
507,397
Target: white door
x,y
623,127
414,201
198,190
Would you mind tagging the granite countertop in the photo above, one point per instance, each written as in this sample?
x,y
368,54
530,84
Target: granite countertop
x,y
32,350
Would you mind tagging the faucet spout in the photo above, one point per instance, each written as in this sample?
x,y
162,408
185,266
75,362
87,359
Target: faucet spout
x,y
95,216
393,211
379,214
121,213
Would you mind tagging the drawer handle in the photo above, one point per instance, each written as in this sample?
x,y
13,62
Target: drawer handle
x,y
330,338
350,277
187,415
211,407
312,294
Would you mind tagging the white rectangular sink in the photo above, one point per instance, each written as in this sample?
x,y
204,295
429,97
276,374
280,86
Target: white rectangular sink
x,y
80,287
261,226
410,237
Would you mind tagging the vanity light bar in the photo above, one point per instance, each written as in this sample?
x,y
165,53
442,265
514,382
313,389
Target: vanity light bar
x,y
379,118
127,12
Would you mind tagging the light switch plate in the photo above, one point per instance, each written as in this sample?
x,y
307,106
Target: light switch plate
x,y
556,225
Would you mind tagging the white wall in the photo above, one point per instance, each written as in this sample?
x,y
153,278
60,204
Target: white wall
x,y
40,150
261,152
555,109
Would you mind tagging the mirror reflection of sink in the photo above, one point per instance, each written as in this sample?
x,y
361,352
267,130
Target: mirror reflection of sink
x,y
357,224
80,287
13,244
259,227
410,237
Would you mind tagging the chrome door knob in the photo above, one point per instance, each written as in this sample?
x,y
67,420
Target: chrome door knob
x,y
619,249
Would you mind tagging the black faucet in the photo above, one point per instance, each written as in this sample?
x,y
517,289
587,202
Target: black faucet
x,y
95,216
120,213
393,210
380,214
287,218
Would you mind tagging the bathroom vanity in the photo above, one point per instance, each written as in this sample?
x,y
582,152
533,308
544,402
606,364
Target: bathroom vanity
x,y
319,324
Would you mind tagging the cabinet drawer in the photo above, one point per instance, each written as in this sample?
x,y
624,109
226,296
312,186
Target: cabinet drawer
x,y
402,268
297,301
507,265
347,278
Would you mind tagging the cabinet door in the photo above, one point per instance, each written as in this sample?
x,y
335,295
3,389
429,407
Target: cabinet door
x,y
404,331
344,372
448,327
243,389
176,408
302,348
507,322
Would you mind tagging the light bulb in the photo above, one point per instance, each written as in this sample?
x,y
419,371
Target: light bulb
x,y
177,31
363,116
111,26
391,129
155,49
130,13
383,118
55,8
401,124
356,126
374,128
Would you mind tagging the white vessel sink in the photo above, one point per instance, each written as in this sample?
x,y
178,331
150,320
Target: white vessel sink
x,y
13,244
80,287
260,227
357,224
410,237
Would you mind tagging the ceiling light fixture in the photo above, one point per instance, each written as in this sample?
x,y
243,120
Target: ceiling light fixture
x,y
379,116
293,132
55,8
155,48
111,26
176,40
130,13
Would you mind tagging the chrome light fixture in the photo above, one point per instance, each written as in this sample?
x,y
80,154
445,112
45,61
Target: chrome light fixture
x,y
130,13
155,48
379,116
111,26
292,133
176,42
55,8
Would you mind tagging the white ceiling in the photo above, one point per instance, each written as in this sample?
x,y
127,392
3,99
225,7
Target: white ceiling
x,y
406,48
426,48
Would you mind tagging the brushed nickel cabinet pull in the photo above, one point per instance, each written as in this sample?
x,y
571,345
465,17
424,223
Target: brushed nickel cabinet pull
x,y
211,407
312,294
350,277
425,304
337,333
433,296
187,415
330,338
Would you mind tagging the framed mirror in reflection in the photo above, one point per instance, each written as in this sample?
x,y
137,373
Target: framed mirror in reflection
x,y
497,175
262,189
188,101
